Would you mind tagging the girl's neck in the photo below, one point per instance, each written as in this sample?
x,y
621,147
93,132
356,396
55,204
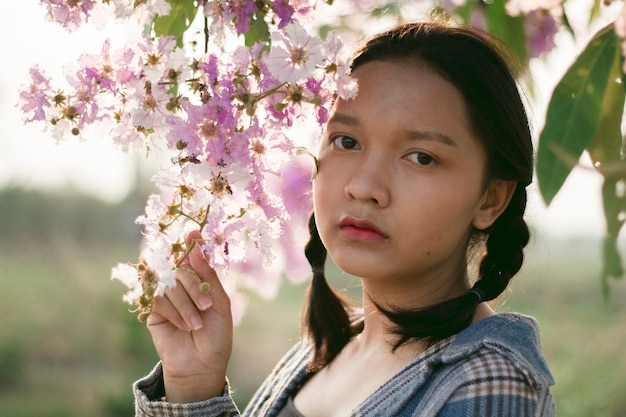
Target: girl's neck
x,y
376,329
377,334
412,293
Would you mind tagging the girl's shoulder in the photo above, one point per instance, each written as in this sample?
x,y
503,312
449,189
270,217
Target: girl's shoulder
x,y
502,340
495,361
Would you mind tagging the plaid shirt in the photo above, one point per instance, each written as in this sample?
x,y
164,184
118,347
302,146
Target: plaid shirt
x,y
493,368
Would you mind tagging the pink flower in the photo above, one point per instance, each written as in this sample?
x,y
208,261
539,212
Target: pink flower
x,y
219,235
295,188
271,204
241,10
34,99
324,97
105,71
209,65
222,126
208,132
254,276
84,106
186,133
69,13
284,10
541,27
268,146
154,57
149,108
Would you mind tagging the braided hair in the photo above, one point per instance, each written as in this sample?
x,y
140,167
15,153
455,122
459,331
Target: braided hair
x,y
481,69
326,314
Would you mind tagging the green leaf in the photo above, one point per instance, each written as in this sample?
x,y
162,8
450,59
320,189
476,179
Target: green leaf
x,y
605,151
566,22
391,9
182,14
606,145
258,30
509,29
324,30
596,8
574,112
614,199
465,12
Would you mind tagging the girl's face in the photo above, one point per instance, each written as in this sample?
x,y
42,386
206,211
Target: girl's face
x,y
401,179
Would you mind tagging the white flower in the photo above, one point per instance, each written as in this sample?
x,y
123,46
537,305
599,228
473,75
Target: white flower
x,y
517,7
159,258
61,130
264,234
294,55
127,275
143,12
620,23
345,85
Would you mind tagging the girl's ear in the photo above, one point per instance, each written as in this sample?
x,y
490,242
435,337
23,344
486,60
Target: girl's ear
x,y
494,202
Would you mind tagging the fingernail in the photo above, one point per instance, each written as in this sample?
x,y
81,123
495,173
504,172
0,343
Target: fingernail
x,y
196,322
205,301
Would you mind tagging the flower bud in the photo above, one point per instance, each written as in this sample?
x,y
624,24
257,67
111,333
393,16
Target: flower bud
x,y
149,292
317,101
279,107
143,316
205,287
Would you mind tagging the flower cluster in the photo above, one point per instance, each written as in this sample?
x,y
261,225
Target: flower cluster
x,y
225,119
222,120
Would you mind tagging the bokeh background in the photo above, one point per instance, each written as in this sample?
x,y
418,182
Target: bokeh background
x,y
69,346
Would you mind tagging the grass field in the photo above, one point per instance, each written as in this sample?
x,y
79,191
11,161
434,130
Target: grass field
x,y
69,347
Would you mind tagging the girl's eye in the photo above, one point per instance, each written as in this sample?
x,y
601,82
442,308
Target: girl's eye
x,y
421,158
345,142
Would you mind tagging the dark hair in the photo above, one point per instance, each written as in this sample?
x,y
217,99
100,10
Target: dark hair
x,y
478,66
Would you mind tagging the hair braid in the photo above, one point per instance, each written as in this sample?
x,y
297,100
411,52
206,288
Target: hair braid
x,y
326,316
507,239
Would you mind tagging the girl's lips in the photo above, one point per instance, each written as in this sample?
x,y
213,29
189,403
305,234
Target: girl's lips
x,y
361,230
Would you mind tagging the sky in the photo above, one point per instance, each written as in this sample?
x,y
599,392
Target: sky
x,y
29,157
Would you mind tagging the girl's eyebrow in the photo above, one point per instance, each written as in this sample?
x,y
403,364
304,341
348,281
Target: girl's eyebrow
x,y
344,119
410,134
428,135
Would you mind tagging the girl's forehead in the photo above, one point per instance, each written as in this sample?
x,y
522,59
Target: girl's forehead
x,y
406,99
406,87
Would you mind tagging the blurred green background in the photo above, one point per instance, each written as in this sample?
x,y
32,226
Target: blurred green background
x,y
69,346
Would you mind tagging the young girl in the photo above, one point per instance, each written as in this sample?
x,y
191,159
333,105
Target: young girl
x,y
426,166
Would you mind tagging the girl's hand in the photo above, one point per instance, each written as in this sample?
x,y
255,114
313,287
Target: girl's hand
x,y
192,331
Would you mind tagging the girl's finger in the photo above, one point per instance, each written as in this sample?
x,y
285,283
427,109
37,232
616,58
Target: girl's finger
x,y
198,290
183,304
203,269
163,310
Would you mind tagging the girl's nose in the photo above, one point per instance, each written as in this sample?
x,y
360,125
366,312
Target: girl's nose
x,y
368,182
